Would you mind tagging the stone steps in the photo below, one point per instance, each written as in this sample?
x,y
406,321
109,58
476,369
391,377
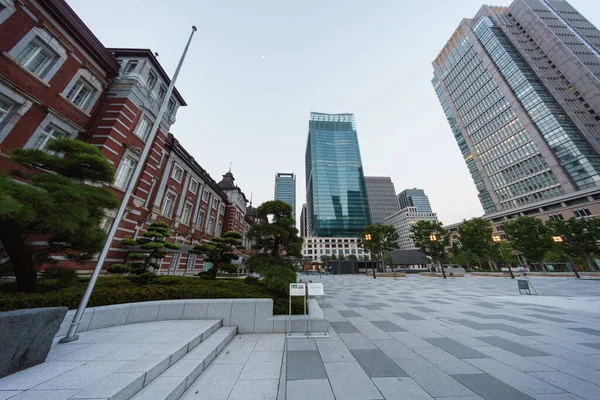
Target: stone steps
x,y
171,384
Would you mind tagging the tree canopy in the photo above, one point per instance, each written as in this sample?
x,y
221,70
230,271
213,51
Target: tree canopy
x,y
476,238
58,195
379,239
278,234
422,233
220,251
580,237
530,236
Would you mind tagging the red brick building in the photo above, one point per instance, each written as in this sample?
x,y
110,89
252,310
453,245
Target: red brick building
x,y
58,80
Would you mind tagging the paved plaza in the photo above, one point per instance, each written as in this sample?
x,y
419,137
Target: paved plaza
x,y
456,339
412,338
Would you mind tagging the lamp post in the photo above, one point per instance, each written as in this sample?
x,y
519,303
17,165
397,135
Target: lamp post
x,y
559,240
433,238
497,239
368,237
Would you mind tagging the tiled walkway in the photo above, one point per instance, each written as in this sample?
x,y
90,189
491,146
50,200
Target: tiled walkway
x,y
456,339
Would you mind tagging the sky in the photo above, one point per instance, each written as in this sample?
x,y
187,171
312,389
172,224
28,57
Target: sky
x,y
257,68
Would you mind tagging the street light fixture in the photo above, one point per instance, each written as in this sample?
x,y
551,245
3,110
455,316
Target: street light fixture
x,y
368,237
433,237
497,239
559,239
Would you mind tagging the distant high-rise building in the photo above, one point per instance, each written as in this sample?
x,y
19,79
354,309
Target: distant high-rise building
x,y
414,198
336,196
303,220
285,189
403,220
520,88
382,198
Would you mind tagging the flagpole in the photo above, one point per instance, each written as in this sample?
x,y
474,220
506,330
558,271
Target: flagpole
x,y
71,334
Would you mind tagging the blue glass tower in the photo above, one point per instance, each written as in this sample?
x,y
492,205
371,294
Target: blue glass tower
x,y
336,194
285,189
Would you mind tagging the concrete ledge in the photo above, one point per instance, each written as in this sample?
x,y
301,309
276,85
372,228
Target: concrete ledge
x,y
439,274
390,275
249,315
298,324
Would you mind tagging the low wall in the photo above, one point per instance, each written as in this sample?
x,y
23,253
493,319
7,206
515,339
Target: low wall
x,y
249,315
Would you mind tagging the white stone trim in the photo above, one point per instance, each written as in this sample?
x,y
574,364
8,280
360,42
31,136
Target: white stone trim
x,y
89,78
20,106
71,130
8,11
48,40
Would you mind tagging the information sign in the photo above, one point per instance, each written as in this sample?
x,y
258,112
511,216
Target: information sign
x,y
297,289
316,289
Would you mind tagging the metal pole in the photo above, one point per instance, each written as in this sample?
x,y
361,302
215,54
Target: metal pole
x,y
572,264
71,336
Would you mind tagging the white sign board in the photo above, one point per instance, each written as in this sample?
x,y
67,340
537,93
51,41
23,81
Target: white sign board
x,y
297,289
316,289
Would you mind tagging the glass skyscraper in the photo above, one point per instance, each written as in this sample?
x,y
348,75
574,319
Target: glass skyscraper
x,y
382,198
414,198
285,189
336,195
520,88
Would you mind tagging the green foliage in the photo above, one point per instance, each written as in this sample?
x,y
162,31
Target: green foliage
x,y
379,238
118,289
144,263
60,277
220,251
530,236
119,269
352,257
422,232
279,234
251,280
554,256
580,237
476,238
506,253
277,272
60,204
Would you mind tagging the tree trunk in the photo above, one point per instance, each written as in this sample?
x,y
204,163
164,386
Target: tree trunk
x,y
20,255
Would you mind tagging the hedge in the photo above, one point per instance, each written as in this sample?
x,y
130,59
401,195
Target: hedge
x,y
118,290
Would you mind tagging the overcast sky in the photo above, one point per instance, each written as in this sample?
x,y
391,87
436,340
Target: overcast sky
x,y
257,68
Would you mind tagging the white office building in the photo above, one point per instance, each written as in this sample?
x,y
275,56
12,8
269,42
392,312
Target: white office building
x,y
315,247
403,220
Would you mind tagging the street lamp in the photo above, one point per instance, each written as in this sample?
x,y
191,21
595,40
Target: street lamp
x,y
433,238
368,237
497,239
559,239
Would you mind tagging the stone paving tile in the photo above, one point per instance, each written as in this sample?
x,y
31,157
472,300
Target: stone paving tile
x,y
456,349
525,364
304,364
301,344
409,316
263,365
569,367
344,327
215,383
350,382
445,361
497,316
43,395
401,389
376,364
562,396
524,382
349,313
548,318
396,350
83,376
592,345
8,394
37,375
524,351
589,331
490,388
270,343
356,341
388,326
254,390
410,340
334,351
309,389
424,309
576,386
588,361
436,382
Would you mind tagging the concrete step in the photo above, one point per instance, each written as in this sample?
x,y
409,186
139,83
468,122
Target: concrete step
x,y
171,384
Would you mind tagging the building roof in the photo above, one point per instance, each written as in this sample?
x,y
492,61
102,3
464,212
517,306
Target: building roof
x,y
227,183
70,22
148,54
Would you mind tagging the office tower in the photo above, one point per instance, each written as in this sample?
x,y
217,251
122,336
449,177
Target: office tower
x,y
414,198
303,220
382,198
403,220
285,189
520,88
335,185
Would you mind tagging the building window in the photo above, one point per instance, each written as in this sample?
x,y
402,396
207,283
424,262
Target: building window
x,y
187,213
143,128
161,92
193,186
214,205
582,212
125,172
211,224
81,93
219,229
151,80
131,66
168,204
200,220
49,133
191,261
171,106
177,173
36,58
552,216
205,195
5,108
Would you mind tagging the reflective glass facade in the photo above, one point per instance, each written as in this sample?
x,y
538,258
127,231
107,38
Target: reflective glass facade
x,y
518,142
414,198
336,195
285,189
382,198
